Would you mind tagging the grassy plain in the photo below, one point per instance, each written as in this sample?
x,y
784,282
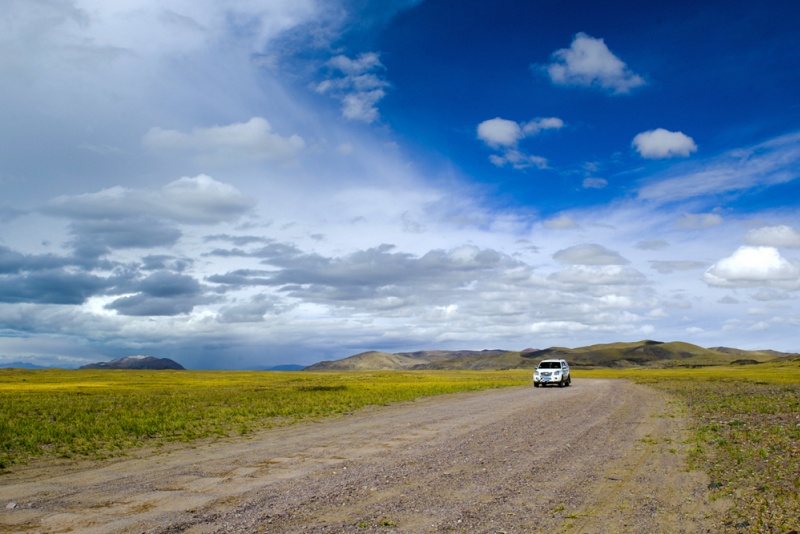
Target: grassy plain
x,y
746,433
746,436
98,413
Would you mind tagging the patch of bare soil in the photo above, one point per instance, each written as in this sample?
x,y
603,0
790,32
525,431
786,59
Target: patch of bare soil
x,y
599,456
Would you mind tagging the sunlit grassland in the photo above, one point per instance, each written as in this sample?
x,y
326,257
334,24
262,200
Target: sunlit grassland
x,y
746,431
56,413
746,436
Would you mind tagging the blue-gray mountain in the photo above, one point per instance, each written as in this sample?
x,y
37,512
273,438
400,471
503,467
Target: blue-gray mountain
x,y
137,362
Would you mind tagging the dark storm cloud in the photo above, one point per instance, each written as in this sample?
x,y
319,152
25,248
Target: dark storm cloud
x,y
50,287
145,305
12,261
367,274
166,284
47,278
161,294
134,232
160,262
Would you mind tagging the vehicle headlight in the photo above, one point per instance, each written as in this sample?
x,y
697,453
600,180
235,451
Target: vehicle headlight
x,y
556,372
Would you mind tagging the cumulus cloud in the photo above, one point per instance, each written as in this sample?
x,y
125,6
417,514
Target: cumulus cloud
x,y
750,266
499,132
662,144
358,84
58,286
589,254
251,140
160,294
95,237
773,236
504,135
194,200
589,62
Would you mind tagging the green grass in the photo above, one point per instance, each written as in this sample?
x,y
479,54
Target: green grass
x,y
746,433
746,436
67,414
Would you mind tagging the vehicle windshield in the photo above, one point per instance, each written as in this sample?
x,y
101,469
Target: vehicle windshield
x,y
550,365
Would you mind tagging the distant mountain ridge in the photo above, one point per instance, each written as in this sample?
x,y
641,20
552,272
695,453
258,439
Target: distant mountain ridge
x,y
282,367
138,363
21,365
375,360
646,353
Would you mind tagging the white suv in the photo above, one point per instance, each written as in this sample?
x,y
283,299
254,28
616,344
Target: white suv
x,y
551,372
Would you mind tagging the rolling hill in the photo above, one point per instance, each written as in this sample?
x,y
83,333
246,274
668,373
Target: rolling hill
x,y
376,361
646,353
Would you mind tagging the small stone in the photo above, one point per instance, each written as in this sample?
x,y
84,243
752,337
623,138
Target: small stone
x,y
11,506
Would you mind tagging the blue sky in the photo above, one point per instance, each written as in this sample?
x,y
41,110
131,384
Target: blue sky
x,y
242,183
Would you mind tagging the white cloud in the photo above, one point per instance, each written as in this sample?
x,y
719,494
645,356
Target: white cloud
x,y
594,183
669,267
760,326
588,62
356,84
253,139
197,200
662,144
652,244
750,266
589,254
518,160
597,275
362,106
504,135
537,125
694,221
770,163
499,132
766,294
562,222
363,63
774,236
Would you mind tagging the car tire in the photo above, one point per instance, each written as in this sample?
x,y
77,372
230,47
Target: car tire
x,y
569,381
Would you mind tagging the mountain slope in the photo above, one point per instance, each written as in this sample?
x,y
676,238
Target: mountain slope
x,y
376,361
646,353
138,362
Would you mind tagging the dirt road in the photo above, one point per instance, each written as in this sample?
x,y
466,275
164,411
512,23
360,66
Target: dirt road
x,y
599,456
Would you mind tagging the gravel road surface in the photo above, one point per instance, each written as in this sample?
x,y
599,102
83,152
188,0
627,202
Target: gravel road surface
x,y
599,456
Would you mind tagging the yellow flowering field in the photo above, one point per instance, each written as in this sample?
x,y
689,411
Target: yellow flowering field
x,y
100,412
